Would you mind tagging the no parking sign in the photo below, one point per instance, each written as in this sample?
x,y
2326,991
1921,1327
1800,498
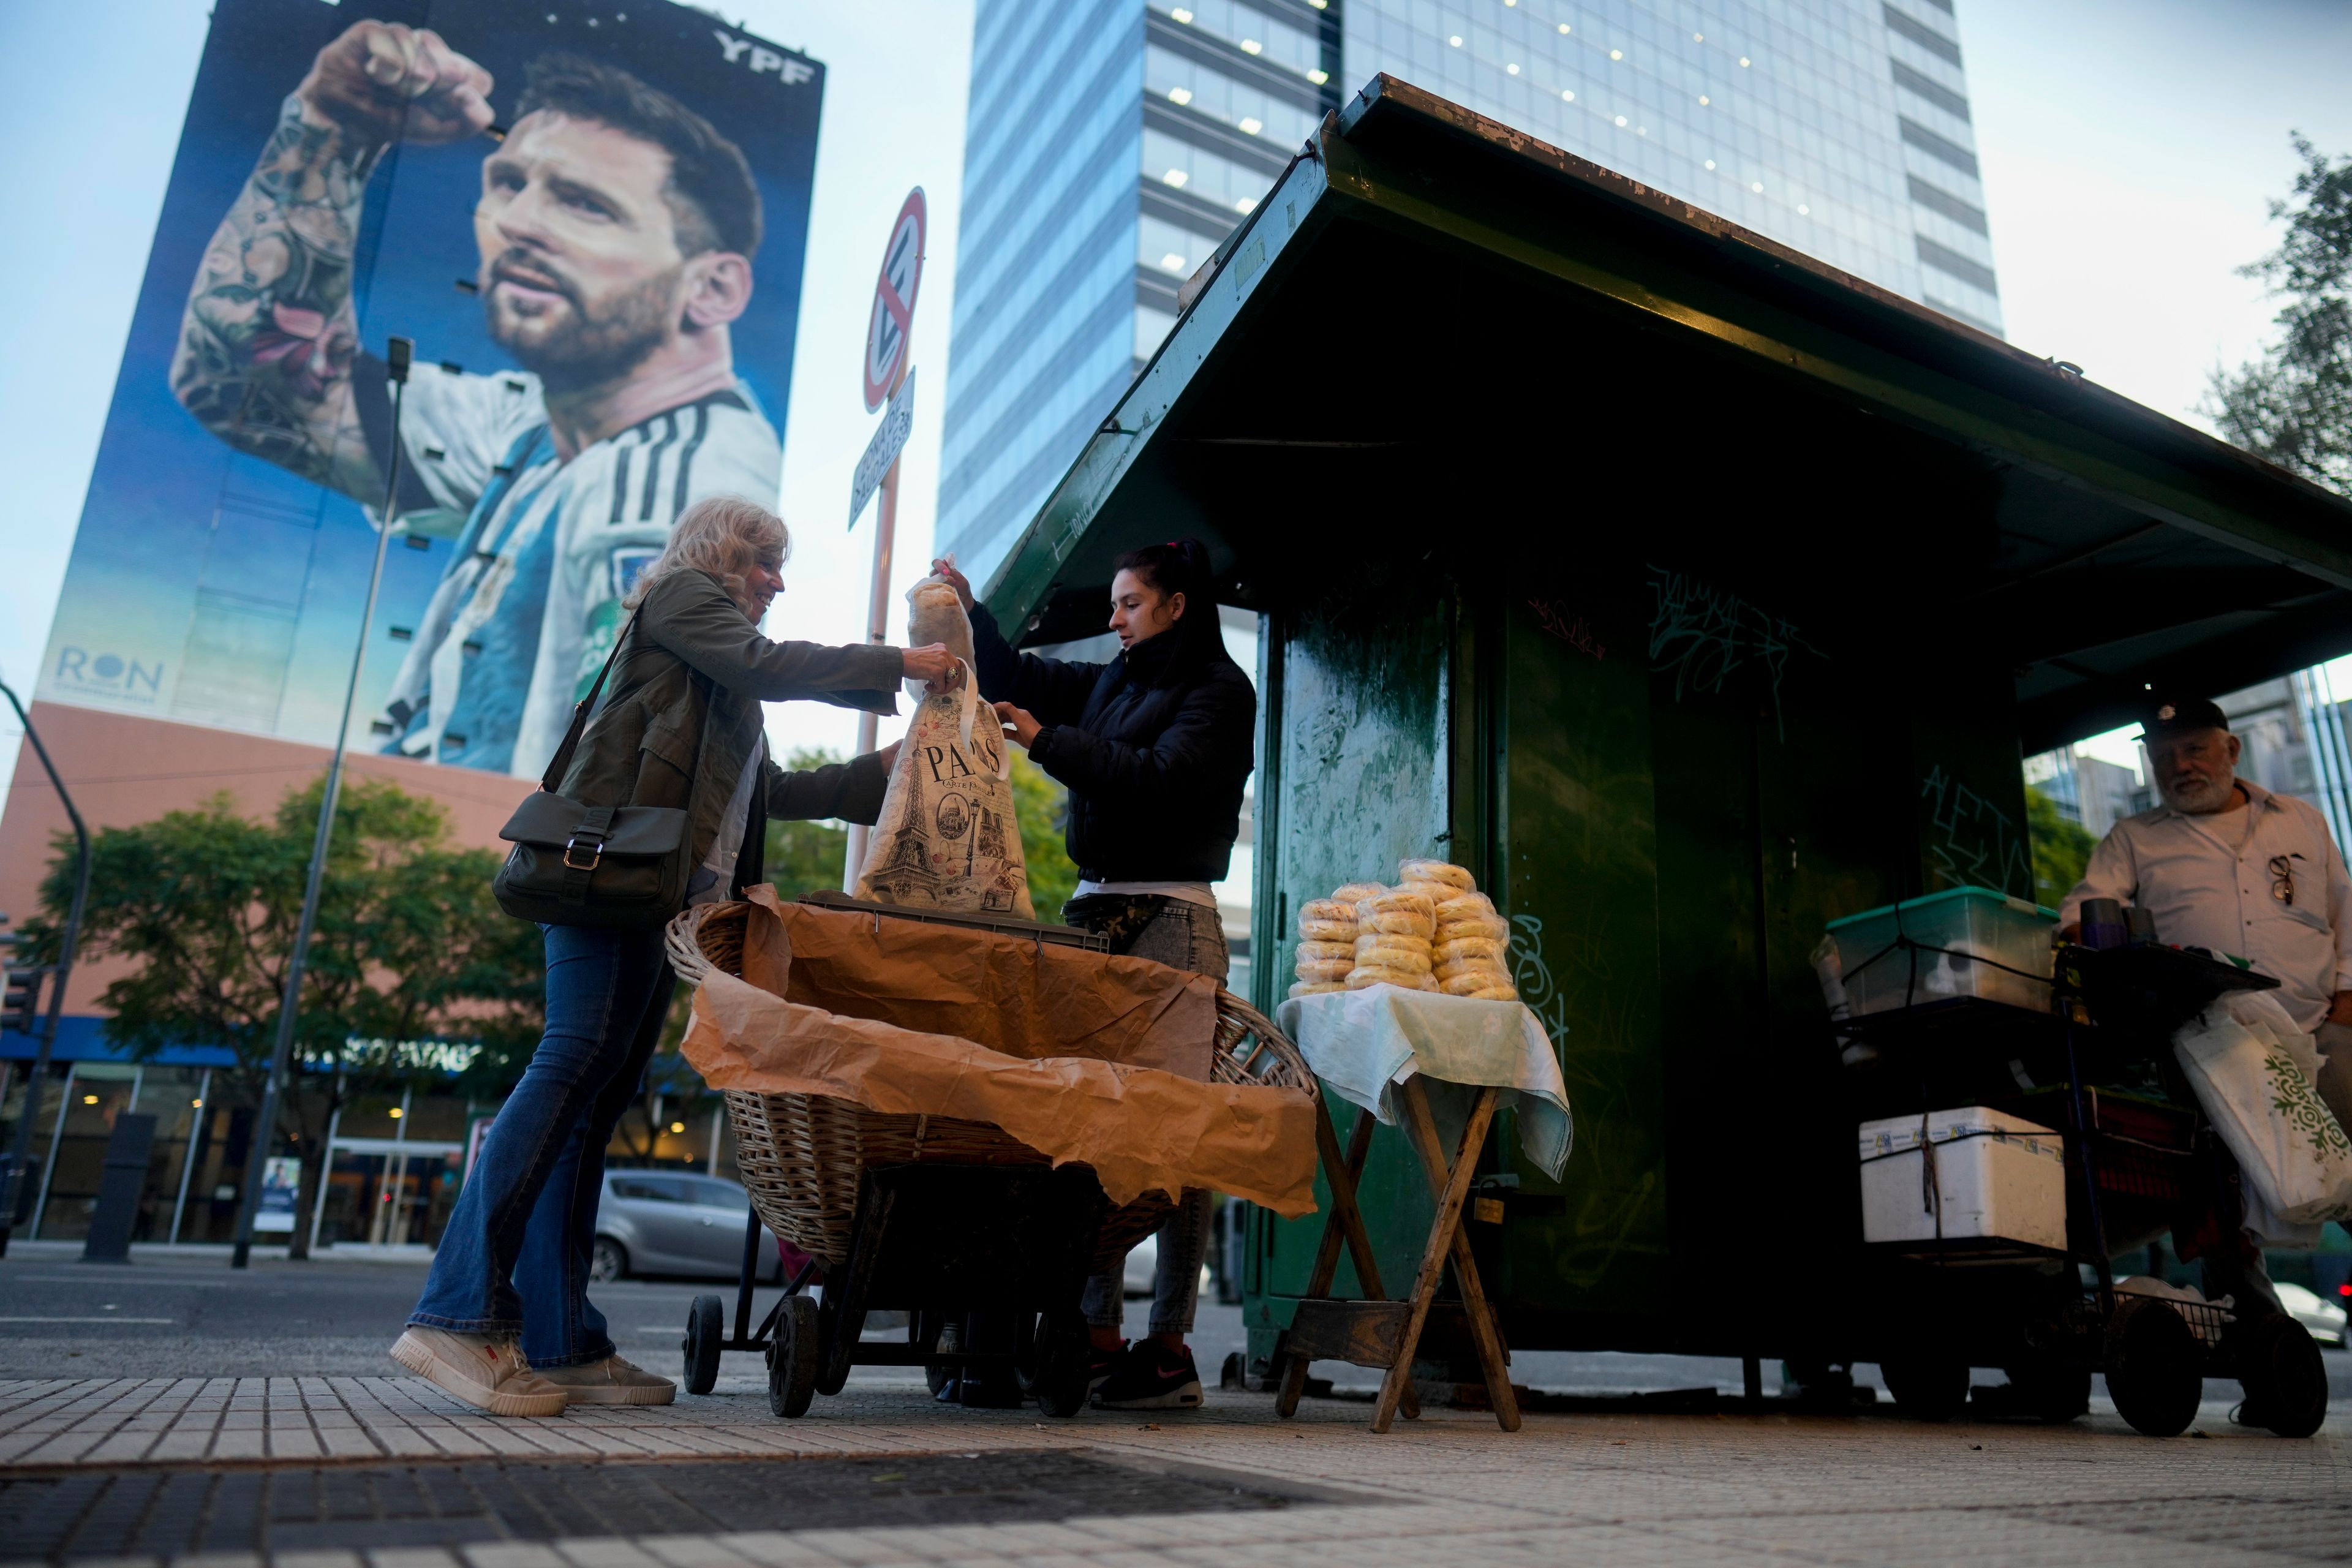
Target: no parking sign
x,y
894,301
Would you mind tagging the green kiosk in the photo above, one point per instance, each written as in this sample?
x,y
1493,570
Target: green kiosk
x,y
1693,594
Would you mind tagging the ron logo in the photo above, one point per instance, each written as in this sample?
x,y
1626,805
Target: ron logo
x,y
82,671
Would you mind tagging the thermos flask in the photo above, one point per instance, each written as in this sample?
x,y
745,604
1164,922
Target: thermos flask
x,y
2103,924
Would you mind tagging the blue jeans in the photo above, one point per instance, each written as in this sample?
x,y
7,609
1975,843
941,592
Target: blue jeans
x,y
1185,936
515,1256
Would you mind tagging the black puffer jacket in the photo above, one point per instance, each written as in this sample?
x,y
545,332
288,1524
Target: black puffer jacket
x,y
1155,747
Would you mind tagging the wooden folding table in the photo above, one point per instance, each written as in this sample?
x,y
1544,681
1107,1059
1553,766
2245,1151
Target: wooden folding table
x,y
1379,1332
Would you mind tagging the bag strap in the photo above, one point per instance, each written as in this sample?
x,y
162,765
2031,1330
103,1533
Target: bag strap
x,y
560,762
971,712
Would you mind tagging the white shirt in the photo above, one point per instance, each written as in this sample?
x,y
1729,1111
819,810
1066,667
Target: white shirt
x,y
1191,892
714,881
2206,879
530,602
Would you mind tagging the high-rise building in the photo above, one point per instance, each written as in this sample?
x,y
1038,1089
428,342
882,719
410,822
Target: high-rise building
x,y
1112,147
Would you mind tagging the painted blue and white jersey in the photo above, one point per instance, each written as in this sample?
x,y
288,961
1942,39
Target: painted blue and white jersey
x,y
530,602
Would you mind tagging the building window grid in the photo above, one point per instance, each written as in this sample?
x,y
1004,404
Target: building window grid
x,y
1810,154
1252,31
992,321
1251,110
1180,165
1040,235
1022,112
1058,159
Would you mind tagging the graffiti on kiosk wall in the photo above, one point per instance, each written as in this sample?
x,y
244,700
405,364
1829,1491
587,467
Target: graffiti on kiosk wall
x,y
1973,843
1703,636
591,224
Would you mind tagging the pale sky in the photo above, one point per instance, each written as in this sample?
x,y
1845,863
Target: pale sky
x,y
2129,148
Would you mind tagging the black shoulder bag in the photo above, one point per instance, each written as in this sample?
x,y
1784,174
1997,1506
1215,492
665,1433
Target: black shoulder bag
x,y
617,868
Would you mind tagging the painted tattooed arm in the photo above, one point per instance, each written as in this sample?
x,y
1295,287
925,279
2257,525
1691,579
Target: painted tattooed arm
x,y
269,341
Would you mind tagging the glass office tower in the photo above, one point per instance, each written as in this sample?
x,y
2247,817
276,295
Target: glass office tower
x,y
1111,146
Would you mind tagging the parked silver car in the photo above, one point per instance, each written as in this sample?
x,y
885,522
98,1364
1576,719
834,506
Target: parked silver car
x,y
668,1222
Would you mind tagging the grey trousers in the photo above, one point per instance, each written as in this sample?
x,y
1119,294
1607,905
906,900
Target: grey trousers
x,y
1183,936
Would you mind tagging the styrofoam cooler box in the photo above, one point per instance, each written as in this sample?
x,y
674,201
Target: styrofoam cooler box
x,y
1996,1177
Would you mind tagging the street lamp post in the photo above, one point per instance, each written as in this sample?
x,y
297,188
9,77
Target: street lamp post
x,y
265,1127
12,1179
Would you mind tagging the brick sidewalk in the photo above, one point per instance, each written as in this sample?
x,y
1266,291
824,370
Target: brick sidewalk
x,y
1449,1489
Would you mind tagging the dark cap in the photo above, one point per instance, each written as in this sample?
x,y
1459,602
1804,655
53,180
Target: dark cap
x,y
2169,715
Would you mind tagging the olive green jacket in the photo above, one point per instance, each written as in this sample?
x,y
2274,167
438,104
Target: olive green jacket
x,y
680,716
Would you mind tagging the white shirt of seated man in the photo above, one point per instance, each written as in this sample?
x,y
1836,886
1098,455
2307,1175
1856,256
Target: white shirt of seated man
x,y
2225,864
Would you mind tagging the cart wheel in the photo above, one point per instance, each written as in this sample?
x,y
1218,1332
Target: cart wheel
x,y
705,1330
1926,1387
1062,1365
830,1346
2155,1366
791,1358
2052,1392
2284,1378
926,1329
1025,1340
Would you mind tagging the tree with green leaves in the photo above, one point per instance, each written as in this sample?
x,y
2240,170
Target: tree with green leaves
x,y
2293,405
2061,847
1041,807
409,947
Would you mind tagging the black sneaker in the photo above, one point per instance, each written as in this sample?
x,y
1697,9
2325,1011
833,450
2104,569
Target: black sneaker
x,y
1102,1364
1149,1378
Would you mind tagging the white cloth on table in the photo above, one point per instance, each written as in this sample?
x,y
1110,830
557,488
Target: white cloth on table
x,y
1364,1043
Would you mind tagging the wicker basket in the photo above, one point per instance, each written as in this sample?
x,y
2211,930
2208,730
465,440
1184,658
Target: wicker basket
x,y
802,1155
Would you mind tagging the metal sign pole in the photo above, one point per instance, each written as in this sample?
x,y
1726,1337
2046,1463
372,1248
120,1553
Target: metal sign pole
x,y
889,370
265,1127
12,1179
877,631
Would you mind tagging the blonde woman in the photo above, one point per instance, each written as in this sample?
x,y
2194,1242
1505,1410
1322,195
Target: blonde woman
x,y
505,1323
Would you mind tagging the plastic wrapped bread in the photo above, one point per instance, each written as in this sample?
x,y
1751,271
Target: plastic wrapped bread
x,y
1478,983
1333,970
1327,920
1402,914
1458,905
1437,872
1463,948
1325,951
1357,892
1315,987
1489,929
1365,975
1383,950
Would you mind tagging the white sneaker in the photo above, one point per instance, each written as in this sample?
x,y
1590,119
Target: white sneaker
x,y
612,1381
486,1371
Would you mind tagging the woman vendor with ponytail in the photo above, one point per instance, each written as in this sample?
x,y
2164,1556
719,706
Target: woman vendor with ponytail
x,y
1154,747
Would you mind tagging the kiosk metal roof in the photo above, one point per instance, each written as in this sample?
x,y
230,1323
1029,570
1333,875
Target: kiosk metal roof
x,y
1334,327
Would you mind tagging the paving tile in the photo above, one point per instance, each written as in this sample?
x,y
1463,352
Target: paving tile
x,y
607,1553
511,1554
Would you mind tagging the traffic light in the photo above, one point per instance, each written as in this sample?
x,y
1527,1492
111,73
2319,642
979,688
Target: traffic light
x,y
20,1001
20,986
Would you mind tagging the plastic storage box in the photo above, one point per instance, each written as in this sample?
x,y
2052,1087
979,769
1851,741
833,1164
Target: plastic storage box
x,y
1995,1177
1965,924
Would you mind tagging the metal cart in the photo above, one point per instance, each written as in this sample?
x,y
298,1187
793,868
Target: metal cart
x,y
988,1257
2138,1154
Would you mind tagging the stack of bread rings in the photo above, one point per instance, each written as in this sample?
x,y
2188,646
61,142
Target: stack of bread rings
x,y
1470,953
1393,931
1327,939
1434,931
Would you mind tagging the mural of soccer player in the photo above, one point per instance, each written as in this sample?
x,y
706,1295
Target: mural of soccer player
x,y
615,228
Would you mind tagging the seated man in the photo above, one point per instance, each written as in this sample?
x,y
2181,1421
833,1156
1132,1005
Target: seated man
x,y
2225,864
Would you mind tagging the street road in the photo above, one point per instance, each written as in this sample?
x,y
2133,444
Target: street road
x,y
195,1317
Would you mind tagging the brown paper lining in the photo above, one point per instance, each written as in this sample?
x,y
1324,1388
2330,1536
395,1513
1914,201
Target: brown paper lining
x,y
1141,1126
